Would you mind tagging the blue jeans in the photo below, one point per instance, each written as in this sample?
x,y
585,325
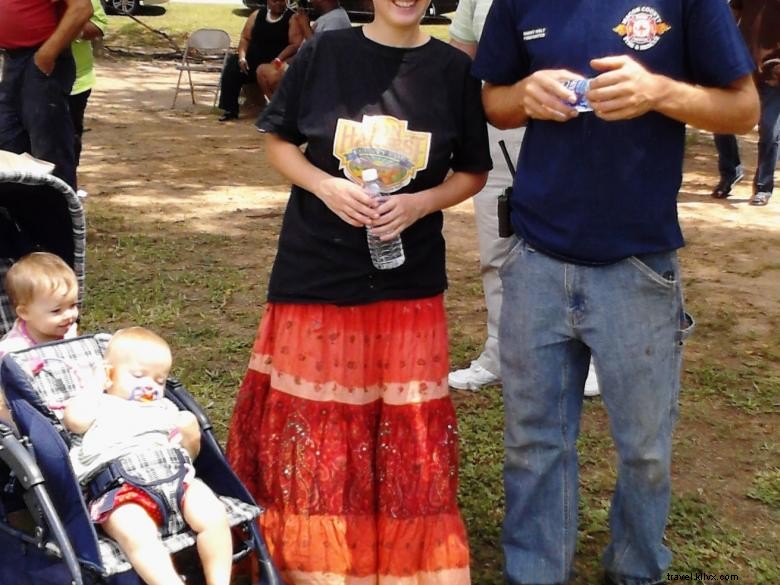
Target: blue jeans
x,y
729,163
629,315
34,114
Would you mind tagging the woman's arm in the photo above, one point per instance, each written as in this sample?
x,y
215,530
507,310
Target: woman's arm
x,y
344,198
246,37
350,202
400,211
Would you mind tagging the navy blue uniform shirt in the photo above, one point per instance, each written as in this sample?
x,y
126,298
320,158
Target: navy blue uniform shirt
x,y
586,190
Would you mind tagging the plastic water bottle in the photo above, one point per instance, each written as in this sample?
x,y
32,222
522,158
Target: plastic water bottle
x,y
384,254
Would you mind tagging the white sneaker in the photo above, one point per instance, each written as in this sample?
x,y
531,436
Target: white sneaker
x,y
591,382
472,378
81,193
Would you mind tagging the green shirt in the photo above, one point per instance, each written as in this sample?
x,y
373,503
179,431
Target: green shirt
x,y
82,53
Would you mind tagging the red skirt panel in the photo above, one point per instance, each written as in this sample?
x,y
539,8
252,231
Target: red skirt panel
x,y
344,430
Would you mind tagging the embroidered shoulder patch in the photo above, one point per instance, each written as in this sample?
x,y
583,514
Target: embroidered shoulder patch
x,y
642,28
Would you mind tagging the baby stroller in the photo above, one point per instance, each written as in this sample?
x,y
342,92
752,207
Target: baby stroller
x,y
38,212
62,546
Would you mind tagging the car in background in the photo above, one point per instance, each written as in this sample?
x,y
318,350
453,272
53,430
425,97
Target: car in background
x,y
363,10
127,6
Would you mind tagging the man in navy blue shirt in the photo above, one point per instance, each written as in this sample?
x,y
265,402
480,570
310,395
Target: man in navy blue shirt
x,y
594,269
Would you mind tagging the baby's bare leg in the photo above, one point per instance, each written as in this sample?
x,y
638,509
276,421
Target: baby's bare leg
x,y
206,515
136,534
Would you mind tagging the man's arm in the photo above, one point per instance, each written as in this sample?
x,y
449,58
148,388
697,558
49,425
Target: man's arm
x,y
303,23
295,37
541,95
625,90
77,12
469,48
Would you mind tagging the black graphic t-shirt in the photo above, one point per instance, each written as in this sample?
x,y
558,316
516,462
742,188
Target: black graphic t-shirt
x,y
421,101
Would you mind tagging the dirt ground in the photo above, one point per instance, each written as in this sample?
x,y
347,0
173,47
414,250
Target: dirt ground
x,y
144,157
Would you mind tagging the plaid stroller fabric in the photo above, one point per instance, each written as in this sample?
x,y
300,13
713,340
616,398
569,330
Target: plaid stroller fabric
x,y
61,370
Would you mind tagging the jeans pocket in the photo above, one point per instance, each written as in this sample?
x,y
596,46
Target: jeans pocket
x,y
660,268
687,325
517,248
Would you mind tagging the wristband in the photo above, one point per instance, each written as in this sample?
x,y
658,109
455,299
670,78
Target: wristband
x,y
278,63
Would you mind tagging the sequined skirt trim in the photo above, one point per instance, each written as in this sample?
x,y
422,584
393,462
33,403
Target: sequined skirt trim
x,y
344,429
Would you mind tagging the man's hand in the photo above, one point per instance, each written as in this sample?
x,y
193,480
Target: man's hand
x,y
545,98
397,213
243,64
45,62
624,90
348,201
76,13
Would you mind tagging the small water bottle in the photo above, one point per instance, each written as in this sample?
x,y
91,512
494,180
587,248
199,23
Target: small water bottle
x,y
388,254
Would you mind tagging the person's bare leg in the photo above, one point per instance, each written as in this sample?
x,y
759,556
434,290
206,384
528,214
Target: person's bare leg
x,y
268,78
136,534
206,515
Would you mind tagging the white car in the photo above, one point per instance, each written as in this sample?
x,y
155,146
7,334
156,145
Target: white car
x,y
126,6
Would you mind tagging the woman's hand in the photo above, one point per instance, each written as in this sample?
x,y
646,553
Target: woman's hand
x,y
397,213
348,201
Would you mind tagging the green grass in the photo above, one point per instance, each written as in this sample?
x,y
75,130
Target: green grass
x,y
176,20
766,488
481,426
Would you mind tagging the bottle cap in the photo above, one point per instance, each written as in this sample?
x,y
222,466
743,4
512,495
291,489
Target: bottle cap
x,y
369,174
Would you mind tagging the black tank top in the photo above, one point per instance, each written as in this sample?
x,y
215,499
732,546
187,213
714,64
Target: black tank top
x,y
268,38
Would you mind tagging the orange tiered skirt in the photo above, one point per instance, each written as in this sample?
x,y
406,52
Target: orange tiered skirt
x,y
344,431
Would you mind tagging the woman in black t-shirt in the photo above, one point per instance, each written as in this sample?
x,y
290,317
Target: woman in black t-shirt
x,y
343,428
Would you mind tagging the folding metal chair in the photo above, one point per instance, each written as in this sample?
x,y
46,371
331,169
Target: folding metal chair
x,y
206,52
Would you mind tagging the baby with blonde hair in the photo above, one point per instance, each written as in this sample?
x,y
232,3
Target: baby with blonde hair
x,y
43,291
131,420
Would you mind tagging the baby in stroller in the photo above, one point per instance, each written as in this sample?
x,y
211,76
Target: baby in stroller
x,y
43,290
125,432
